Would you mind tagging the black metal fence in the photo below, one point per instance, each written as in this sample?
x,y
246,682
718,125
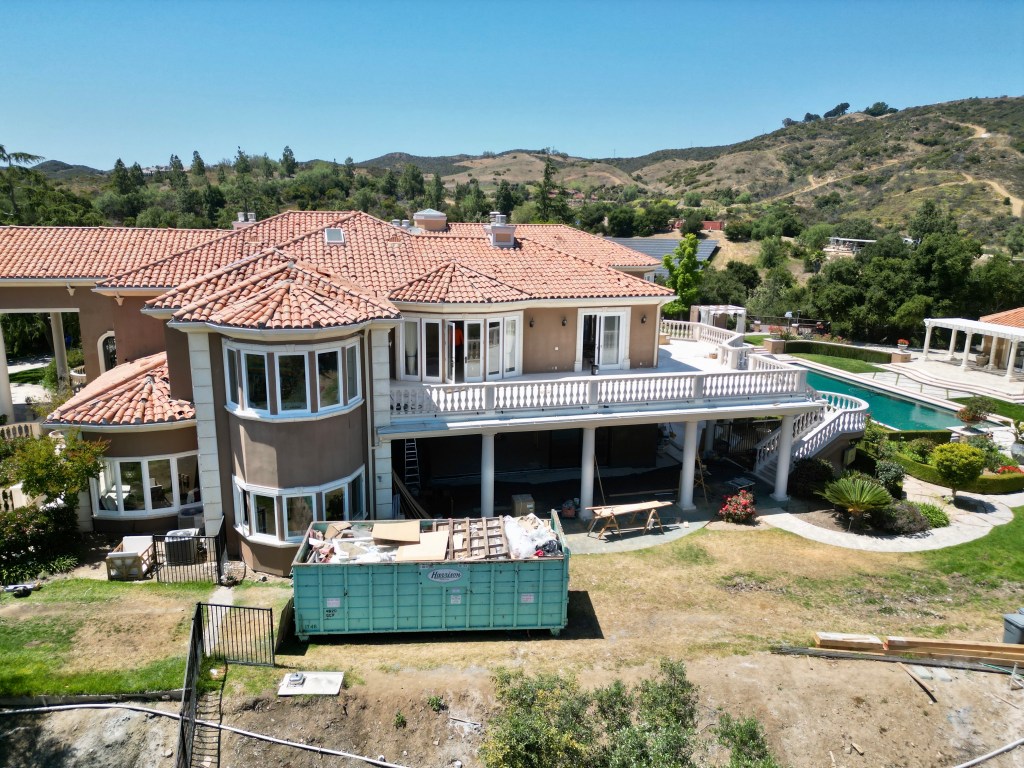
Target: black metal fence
x,y
229,633
238,635
190,693
191,558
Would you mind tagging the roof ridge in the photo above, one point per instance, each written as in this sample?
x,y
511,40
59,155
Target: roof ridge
x,y
252,279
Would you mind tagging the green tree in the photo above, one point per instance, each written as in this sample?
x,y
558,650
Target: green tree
x,y
856,497
13,175
56,470
552,207
435,195
692,199
120,179
958,464
388,185
816,236
838,110
879,108
410,185
721,287
747,274
198,166
620,221
810,117
772,254
177,173
243,166
931,219
504,199
288,163
138,178
1015,240
684,272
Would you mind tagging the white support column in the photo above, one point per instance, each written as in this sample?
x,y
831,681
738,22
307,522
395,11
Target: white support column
x,y
378,363
991,353
6,400
206,426
688,466
741,322
1011,359
487,475
709,437
952,344
60,352
967,350
587,459
927,341
785,452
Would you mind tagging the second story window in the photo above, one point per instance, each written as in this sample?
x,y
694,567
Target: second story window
x,y
256,382
292,386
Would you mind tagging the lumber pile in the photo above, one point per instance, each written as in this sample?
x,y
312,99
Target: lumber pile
x,y
924,648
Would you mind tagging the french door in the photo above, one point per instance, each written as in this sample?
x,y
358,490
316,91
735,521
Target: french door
x,y
602,335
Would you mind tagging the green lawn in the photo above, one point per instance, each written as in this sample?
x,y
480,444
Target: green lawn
x,y
842,363
988,561
28,376
755,338
1002,408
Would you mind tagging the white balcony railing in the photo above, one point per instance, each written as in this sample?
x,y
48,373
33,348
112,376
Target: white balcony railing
x,y
732,350
593,393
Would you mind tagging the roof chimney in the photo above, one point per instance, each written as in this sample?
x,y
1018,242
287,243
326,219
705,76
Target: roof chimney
x,y
500,232
396,222
245,219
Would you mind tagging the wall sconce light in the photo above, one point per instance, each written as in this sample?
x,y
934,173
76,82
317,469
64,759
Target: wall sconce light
x,y
643,320
531,322
564,321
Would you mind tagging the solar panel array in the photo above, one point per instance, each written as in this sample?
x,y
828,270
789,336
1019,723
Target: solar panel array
x,y
705,248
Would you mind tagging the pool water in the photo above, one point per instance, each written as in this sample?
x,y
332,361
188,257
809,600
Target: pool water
x,y
885,408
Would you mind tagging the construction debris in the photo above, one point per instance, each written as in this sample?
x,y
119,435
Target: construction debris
x,y
924,648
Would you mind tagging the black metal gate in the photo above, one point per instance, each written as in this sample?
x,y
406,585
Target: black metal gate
x,y
238,635
190,693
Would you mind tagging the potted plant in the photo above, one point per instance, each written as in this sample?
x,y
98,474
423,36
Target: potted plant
x,y
976,409
902,344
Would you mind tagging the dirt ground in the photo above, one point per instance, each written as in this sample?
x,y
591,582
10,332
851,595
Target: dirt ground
x,y
814,711
717,599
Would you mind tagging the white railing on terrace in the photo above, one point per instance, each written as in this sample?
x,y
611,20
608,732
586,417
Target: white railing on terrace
x,y
841,415
732,350
21,429
764,363
591,393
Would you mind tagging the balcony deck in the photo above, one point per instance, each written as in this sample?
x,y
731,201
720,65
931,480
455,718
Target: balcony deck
x,y
686,380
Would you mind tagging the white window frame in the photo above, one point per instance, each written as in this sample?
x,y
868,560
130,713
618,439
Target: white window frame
x,y
305,410
244,405
322,407
421,336
148,510
232,393
352,399
284,513
99,350
347,483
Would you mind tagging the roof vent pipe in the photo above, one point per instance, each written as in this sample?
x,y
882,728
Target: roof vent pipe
x,y
405,223
396,222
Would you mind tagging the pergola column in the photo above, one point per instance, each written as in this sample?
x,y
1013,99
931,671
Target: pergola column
x,y
487,475
688,466
587,460
991,353
1011,359
927,341
967,349
6,400
952,343
60,352
784,452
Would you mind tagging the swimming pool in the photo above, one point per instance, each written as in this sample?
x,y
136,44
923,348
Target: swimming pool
x,y
888,409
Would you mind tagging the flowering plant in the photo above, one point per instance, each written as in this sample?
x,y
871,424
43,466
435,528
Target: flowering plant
x,y
738,508
903,342
1009,469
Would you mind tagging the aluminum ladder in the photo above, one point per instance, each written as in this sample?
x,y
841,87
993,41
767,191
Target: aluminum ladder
x,y
412,467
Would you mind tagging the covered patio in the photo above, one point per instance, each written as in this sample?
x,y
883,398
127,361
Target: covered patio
x,y
987,346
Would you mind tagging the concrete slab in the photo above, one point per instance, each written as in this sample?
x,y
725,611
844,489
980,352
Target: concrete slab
x,y
314,684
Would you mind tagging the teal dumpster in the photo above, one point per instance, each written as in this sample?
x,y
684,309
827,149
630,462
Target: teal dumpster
x,y
477,584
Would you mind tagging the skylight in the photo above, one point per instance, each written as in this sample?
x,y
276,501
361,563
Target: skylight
x,y
334,236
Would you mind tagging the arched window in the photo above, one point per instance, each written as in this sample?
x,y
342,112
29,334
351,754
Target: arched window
x,y
107,347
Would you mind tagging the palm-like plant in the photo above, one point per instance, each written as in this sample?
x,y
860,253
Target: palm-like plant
x,y
856,496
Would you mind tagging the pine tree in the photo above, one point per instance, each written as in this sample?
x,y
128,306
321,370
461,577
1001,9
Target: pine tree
x,y
198,166
120,178
138,179
436,196
288,163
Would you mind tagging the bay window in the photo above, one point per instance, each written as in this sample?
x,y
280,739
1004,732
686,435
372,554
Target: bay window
x,y
256,382
328,367
156,485
293,391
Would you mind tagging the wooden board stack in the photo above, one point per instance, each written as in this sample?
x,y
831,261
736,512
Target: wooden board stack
x,y
1002,654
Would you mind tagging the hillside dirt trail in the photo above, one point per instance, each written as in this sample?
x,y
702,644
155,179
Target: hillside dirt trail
x,y
1016,203
816,183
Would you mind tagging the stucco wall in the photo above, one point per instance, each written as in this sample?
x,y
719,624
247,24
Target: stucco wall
x,y
95,313
549,346
150,443
643,337
176,344
137,334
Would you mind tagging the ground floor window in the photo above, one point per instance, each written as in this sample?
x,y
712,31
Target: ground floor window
x,y
284,514
154,485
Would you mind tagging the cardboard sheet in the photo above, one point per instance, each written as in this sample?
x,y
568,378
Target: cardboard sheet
x,y
405,532
334,529
433,548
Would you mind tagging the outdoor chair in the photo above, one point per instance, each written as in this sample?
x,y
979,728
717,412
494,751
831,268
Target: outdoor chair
x,y
131,560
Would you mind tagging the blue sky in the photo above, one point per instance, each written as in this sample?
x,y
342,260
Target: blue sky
x,y
87,82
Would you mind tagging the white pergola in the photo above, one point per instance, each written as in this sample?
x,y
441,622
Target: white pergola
x,y
1000,341
706,313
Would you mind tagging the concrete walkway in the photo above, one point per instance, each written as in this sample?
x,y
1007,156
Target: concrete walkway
x,y
675,522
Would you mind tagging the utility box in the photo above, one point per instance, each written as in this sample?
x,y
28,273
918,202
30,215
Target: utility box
x,y
1013,628
181,546
522,505
473,579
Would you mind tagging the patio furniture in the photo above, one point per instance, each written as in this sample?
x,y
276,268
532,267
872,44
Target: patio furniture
x,y
608,517
741,484
131,560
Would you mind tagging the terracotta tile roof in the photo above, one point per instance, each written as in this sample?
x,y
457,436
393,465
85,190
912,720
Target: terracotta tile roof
x,y
89,252
130,394
453,282
177,267
568,240
1011,317
270,291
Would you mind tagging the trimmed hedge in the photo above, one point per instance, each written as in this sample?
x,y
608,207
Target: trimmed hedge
x,y
935,435
986,484
838,350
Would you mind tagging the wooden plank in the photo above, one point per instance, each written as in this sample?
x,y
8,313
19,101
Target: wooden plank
x,y
848,642
926,642
924,686
952,655
405,531
622,509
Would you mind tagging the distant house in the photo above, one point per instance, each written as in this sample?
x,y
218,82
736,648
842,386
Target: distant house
x,y
716,225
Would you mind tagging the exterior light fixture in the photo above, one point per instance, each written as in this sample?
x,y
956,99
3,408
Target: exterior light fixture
x,y
564,321
643,320
531,322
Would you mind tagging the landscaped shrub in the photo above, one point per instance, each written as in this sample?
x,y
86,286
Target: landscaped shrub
x,y
902,518
75,359
738,508
1009,469
958,464
809,476
994,458
856,497
995,484
838,350
934,514
890,474
919,449
31,539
